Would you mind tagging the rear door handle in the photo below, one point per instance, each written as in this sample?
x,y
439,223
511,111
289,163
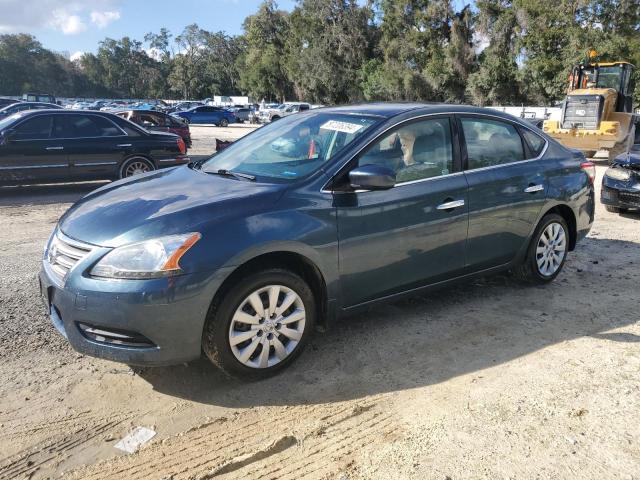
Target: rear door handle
x,y
124,145
54,148
450,205
534,188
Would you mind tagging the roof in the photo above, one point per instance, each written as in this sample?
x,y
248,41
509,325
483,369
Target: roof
x,y
391,109
608,64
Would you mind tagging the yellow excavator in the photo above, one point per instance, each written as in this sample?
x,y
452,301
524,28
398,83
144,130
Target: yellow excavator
x,y
598,111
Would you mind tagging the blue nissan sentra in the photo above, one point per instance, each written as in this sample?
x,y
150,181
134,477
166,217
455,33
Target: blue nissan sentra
x,y
306,219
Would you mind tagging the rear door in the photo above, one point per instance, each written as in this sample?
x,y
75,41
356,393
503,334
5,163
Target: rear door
x,y
32,155
95,145
507,188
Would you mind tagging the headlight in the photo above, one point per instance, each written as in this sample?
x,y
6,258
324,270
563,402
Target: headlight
x,y
154,258
618,173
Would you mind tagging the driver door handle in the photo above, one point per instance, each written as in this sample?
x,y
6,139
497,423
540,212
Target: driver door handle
x,y
54,148
450,205
534,188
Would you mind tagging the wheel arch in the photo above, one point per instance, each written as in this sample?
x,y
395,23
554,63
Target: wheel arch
x,y
288,260
569,216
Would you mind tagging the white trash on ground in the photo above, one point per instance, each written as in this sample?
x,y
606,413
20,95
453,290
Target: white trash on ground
x,y
139,436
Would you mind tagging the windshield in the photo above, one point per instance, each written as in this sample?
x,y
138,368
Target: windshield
x,y
291,148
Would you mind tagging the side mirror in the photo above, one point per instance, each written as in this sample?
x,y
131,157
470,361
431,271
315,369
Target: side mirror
x,y
372,177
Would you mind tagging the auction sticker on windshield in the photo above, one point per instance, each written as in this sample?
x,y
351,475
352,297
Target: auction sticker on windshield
x,y
338,126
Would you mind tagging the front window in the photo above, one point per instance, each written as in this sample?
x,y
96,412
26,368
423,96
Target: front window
x,y
609,77
291,148
414,151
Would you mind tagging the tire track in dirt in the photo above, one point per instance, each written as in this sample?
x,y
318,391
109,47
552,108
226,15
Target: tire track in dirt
x,y
25,463
242,447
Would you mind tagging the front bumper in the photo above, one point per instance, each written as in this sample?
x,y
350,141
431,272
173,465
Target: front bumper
x,y
620,196
168,313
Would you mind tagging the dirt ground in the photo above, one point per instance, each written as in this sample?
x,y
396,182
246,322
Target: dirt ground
x,y
492,379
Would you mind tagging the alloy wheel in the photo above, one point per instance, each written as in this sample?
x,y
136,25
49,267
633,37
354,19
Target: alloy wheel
x,y
551,249
136,167
267,326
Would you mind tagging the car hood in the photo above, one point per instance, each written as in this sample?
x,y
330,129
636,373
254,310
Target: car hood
x,y
165,202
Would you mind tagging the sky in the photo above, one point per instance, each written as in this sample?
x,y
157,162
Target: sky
x,y
75,26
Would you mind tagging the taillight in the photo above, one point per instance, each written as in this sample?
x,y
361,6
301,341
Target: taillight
x,y
182,146
590,169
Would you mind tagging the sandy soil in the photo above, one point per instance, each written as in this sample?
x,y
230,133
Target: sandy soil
x,y
490,380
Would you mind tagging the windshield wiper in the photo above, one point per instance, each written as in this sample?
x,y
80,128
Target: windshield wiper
x,y
229,173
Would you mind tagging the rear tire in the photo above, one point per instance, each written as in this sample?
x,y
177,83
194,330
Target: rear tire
x,y
547,251
135,166
223,123
284,332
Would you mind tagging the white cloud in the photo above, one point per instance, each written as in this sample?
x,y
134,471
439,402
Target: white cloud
x,y
67,23
102,19
76,56
69,17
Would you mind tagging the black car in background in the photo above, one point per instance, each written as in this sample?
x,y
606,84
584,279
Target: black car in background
x,y
39,146
621,182
21,106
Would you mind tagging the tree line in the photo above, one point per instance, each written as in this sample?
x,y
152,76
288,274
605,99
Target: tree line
x,y
340,51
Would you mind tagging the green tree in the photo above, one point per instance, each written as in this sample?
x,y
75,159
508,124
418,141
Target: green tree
x,y
187,75
328,44
262,68
221,62
496,80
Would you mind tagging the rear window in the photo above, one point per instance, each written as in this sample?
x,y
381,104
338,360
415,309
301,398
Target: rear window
x,y
92,126
491,142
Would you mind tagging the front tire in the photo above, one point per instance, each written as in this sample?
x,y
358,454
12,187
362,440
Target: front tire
x,y
547,251
223,123
260,325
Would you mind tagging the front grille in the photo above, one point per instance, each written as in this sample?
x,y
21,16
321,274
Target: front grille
x,y
582,111
629,198
63,253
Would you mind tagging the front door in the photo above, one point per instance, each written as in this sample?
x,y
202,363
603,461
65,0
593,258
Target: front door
x,y
507,189
414,233
31,155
